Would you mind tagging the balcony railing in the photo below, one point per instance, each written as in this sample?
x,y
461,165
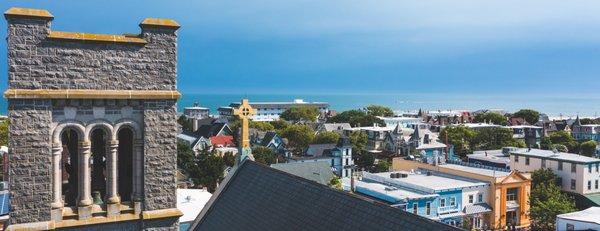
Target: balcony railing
x,y
449,209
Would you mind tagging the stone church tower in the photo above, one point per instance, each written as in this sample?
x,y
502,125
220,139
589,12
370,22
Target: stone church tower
x,y
92,136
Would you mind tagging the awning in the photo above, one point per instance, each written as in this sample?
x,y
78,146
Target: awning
x,y
451,215
477,208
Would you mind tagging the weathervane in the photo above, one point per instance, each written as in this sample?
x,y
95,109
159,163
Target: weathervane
x,y
244,112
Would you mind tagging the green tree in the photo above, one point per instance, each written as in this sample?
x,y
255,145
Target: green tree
x,y
382,166
185,157
560,147
356,118
264,155
547,200
531,116
326,138
335,183
262,126
299,137
585,121
588,148
364,160
492,117
564,138
495,138
186,124
229,159
460,137
3,142
279,124
209,170
300,114
361,158
546,143
377,110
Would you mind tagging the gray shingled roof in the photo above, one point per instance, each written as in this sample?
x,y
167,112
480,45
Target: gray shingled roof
x,y
319,171
257,197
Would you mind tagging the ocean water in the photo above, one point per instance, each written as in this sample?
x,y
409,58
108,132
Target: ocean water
x,y
551,104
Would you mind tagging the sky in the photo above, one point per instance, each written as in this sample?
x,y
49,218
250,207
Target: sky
x,y
360,46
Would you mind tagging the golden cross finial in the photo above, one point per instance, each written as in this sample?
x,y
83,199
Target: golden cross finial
x,y
245,112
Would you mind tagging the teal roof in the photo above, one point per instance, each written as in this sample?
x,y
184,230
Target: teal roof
x,y
319,171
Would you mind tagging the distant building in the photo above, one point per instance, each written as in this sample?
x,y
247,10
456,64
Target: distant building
x,y
531,135
507,195
588,219
449,199
375,134
196,112
338,155
585,132
270,111
209,134
499,158
257,197
333,127
576,173
393,122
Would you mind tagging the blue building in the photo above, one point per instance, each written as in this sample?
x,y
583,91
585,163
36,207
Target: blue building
x,y
433,195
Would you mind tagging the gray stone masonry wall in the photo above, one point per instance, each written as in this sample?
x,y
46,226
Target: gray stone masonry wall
x,y
38,62
29,160
160,159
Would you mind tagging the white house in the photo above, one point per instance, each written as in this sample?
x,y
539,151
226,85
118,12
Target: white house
x,y
577,173
588,219
270,111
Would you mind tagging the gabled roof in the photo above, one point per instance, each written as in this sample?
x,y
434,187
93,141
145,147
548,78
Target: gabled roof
x,y
223,141
256,197
269,136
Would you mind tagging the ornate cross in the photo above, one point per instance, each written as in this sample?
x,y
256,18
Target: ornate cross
x,y
244,112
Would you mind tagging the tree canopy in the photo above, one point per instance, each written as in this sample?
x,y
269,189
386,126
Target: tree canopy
x,y
186,124
466,140
460,137
299,137
378,110
300,114
588,148
547,200
495,138
356,118
491,117
264,155
529,115
326,138
564,138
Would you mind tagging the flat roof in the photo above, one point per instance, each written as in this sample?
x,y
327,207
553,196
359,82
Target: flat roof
x,y
396,193
591,215
402,118
435,182
494,156
559,156
480,171
479,125
190,202
379,129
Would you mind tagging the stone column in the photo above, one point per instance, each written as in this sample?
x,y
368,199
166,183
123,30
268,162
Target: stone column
x,y
113,207
57,203
56,176
138,175
85,187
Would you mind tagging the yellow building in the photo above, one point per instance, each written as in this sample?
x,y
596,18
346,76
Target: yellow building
x,y
509,196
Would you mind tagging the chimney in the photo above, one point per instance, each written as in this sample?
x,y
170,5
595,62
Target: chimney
x,y
195,122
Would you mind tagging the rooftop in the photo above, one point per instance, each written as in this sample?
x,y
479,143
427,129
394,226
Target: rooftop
x,y
480,171
190,202
397,194
431,183
562,156
591,215
319,172
257,197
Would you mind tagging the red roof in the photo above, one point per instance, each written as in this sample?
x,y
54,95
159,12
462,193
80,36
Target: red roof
x,y
222,141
